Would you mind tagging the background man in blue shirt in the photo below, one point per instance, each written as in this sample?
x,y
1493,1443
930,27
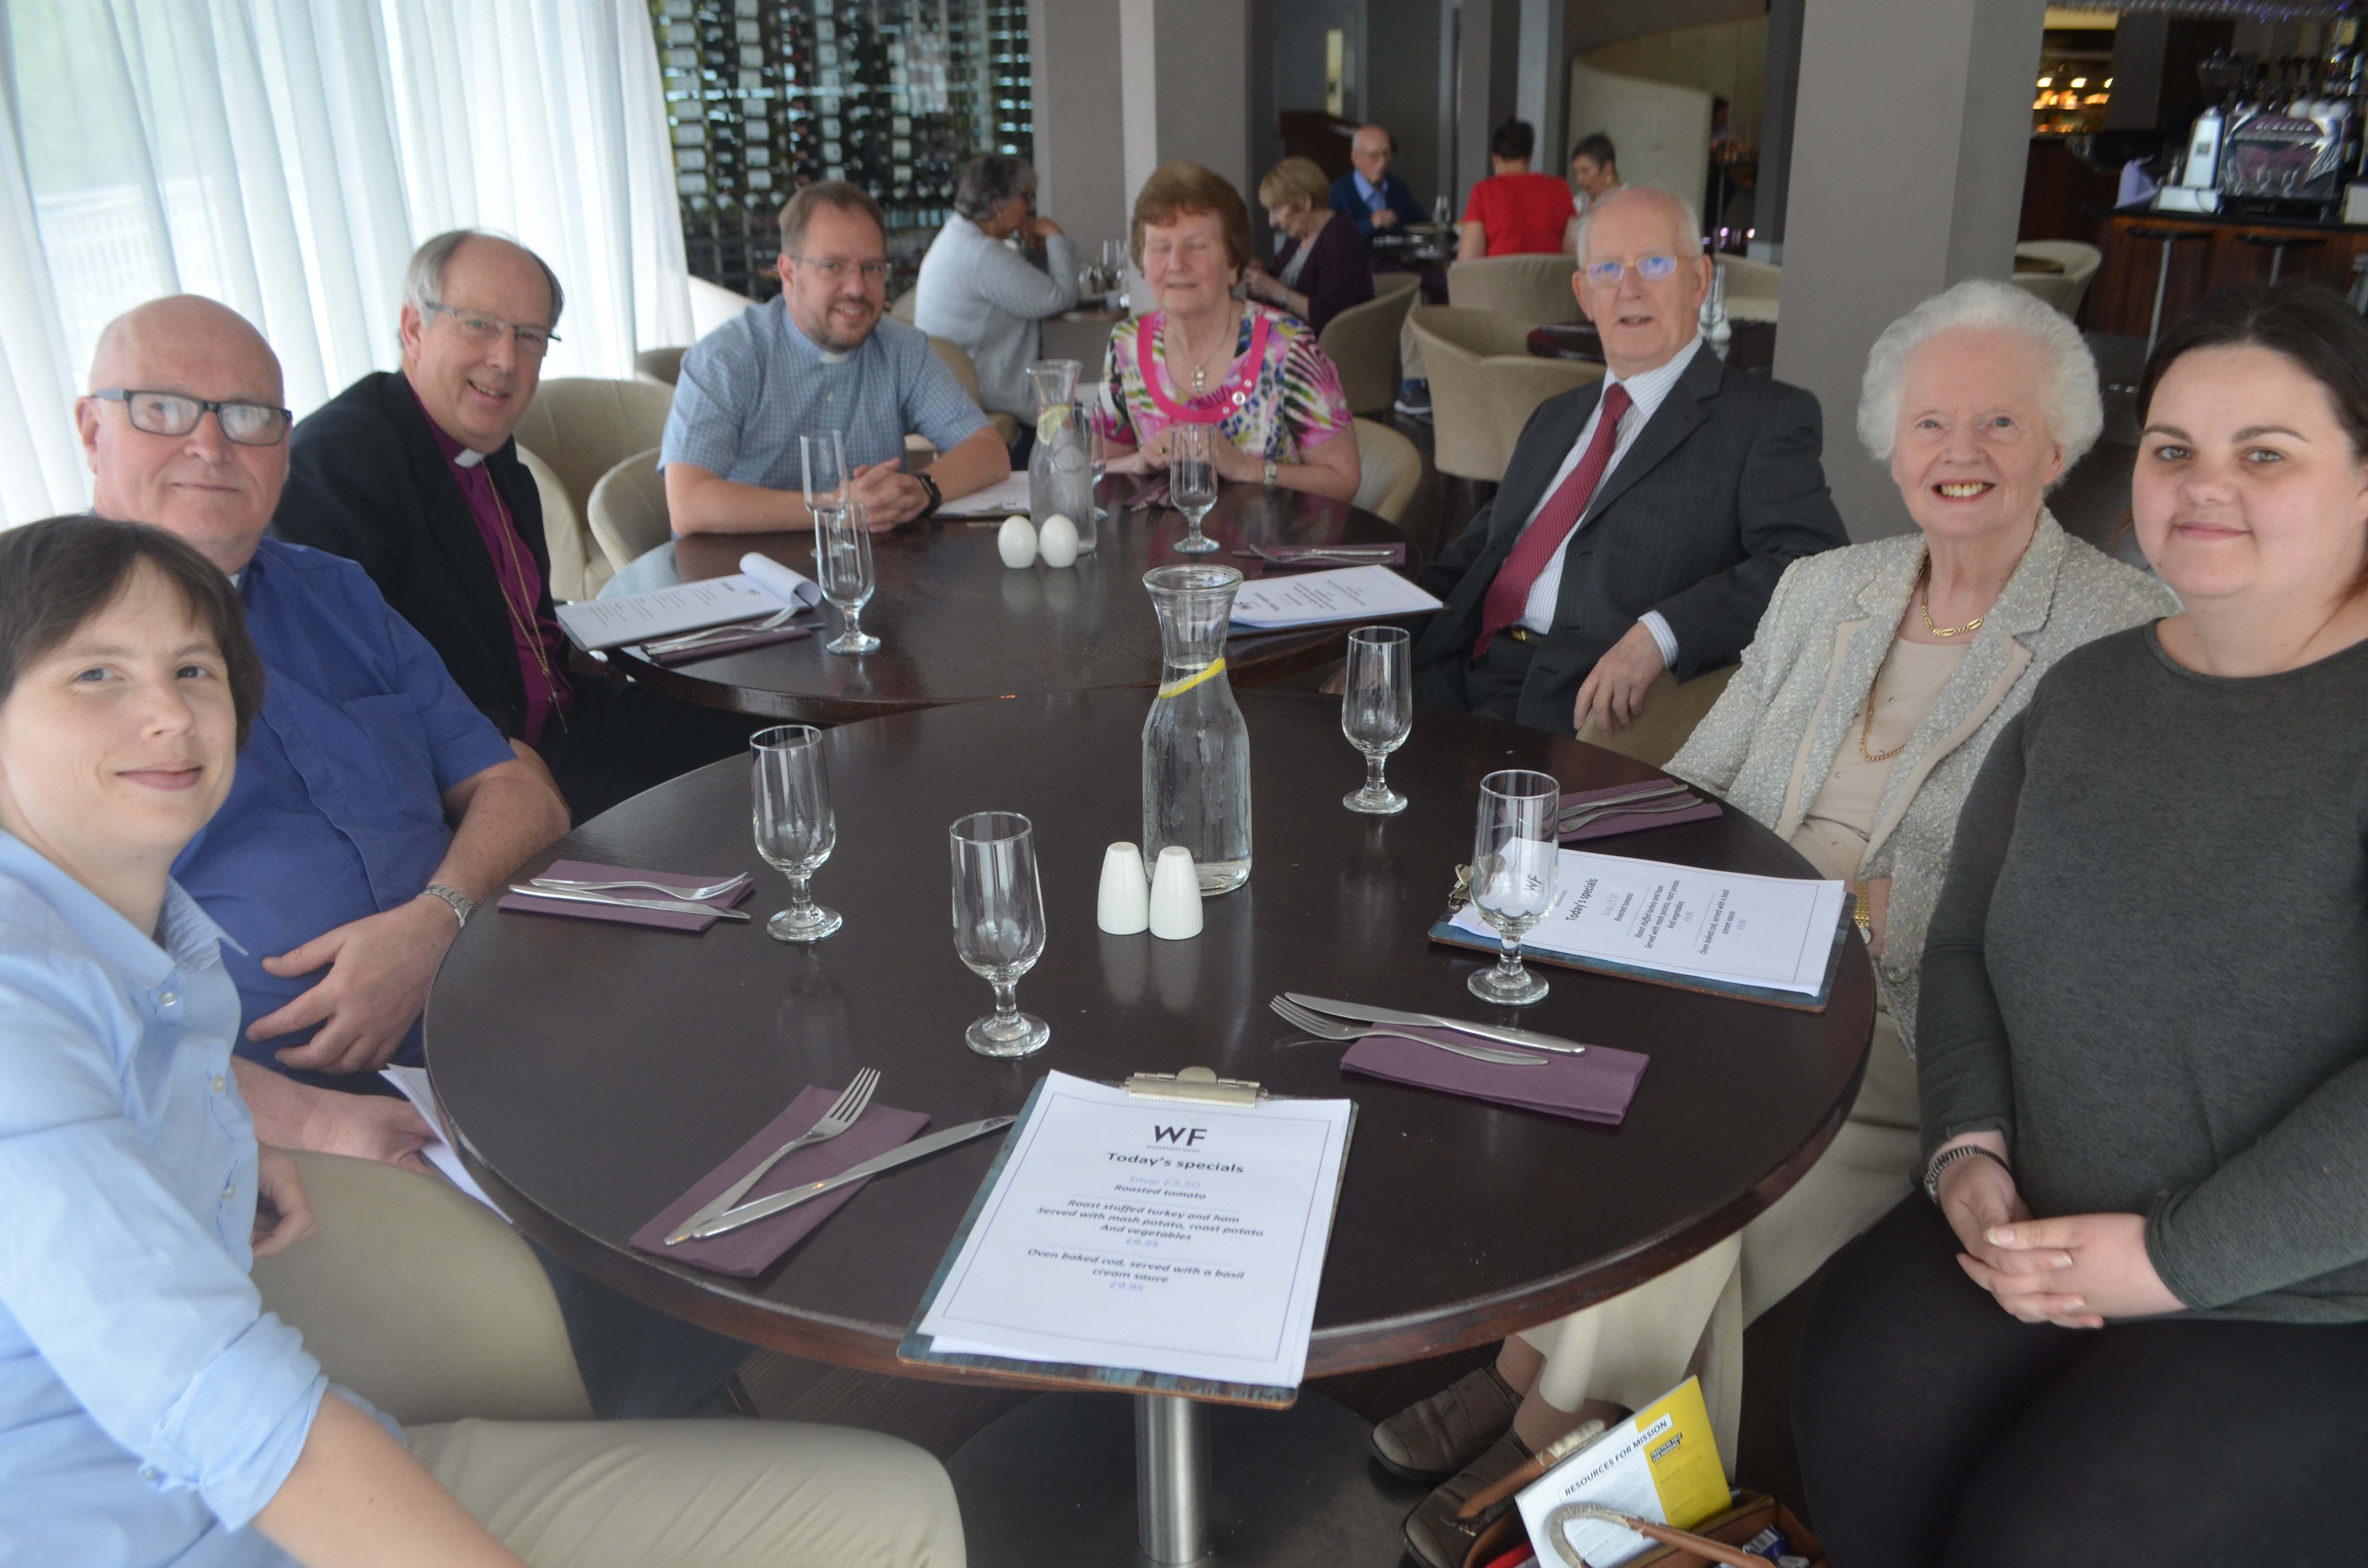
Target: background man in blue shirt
x,y
368,778
821,356
1374,198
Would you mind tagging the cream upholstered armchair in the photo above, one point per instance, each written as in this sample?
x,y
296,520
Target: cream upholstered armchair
x,y
1484,384
957,360
659,367
2064,290
577,567
1362,344
1533,289
1672,709
628,514
1753,287
1392,470
582,427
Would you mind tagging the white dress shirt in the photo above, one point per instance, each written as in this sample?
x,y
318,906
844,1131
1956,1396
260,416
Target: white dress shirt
x,y
1646,392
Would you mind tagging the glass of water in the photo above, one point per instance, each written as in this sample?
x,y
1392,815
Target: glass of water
x,y
1192,482
998,910
795,827
823,459
1514,866
843,567
1377,711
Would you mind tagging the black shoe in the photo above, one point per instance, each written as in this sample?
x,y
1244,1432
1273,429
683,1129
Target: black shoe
x,y
1413,400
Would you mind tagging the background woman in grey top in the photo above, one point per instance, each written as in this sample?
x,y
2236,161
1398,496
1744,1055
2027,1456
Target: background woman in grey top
x,y
976,291
2141,1041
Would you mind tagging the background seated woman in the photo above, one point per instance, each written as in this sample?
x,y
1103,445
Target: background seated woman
x,y
1323,269
1878,679
150,1410
1202,356
2135,1328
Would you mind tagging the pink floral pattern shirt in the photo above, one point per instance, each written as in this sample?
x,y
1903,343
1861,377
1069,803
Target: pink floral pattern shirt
x,y
1280,400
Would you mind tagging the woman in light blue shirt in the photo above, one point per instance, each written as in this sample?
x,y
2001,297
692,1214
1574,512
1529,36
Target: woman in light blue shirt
x,y
150,1410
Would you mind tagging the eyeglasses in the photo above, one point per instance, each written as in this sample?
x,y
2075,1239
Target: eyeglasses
x,y
1651,268
485,331
176,414
833,267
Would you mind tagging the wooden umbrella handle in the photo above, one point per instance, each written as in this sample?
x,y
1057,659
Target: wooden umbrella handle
x,y
1686,1541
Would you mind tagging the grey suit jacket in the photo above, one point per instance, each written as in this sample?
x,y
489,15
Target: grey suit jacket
x,y
1717,495
1772,739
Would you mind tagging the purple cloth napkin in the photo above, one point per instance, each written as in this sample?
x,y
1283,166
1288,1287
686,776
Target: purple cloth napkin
x,y
1606,827
790,633
693,916
754,1248
1593,1087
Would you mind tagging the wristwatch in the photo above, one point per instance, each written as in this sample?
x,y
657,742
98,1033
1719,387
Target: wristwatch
x,y
1271,469
462,905
936,498
1947,1157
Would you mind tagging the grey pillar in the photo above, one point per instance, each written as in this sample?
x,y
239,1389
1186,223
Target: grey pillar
x,y
1779,99
1487,65
1908,142
1184,73
1080,165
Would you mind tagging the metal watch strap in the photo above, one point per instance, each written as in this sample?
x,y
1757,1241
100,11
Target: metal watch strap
x,y
1272,472
1947,1157
937,498
461,904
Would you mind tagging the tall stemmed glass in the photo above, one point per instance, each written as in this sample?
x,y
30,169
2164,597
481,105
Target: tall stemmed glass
x,y
998,910
1377,711
843,566
1514,865
795,828
823,459
1192,482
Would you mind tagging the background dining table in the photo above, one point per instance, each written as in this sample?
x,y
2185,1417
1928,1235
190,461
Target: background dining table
x,y
956,625
1753,346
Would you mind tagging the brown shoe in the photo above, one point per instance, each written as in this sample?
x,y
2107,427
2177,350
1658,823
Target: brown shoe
x,y
1433,1438
1432,1531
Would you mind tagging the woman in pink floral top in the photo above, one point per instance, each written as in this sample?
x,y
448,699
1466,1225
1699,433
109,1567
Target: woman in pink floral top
x,y
1206,358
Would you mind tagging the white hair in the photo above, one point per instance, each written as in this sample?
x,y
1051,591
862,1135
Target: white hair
x,y
2068,398
1690,229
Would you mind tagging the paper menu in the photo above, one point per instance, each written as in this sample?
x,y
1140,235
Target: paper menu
x,y
663,612
1661,1465
1775,932
1151,1235
439,1153
997,500
1318,598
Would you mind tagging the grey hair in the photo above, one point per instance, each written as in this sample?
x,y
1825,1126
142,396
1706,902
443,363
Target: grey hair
x,y
2068,398
1689,230
991,180
423,281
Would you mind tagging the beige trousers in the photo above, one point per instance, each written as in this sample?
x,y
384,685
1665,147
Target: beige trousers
x,y
697,1493
1636,1347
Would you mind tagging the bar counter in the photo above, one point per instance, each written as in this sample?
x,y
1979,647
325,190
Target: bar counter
x,y
2213,250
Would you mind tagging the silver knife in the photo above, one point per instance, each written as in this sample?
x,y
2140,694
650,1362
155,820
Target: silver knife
x,y
674,907
765,1208
1432,1020
1648,792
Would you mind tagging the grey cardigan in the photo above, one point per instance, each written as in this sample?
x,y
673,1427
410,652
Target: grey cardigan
x,y
1768,745
987,297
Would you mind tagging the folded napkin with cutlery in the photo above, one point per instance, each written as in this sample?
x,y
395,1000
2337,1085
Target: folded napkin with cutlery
x,y
1652,812
754,1247
1593,1087
1334,555
690,917
714,647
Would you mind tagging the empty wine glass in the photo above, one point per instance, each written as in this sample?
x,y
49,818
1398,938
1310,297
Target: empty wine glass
x,y
795,828
1192,482
1377,711
822,458
998,909
843,567
1515,859
1114,260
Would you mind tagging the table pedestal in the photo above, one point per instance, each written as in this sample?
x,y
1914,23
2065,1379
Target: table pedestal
x,y
1227,1484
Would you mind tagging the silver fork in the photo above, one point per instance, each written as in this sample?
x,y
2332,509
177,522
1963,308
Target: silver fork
x,y
841,1116
724,633
689,896
1665,787
1576,820
1321,1028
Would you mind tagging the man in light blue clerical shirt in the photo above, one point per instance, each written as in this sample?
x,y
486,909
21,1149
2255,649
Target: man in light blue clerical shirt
x,y
1374,199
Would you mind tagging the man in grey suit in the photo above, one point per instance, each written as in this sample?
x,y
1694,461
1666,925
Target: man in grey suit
x,y
1644,520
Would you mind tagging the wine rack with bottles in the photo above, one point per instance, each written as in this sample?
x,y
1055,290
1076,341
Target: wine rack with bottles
x,y
895,96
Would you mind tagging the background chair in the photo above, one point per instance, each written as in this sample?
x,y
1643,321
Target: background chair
x,y
902,306
577,566
659,367
582,427
628,514
1532,290
1753,287
713,305
1672,709
1392,469
2064,290
1484,384
965,371
422,1301
1363,341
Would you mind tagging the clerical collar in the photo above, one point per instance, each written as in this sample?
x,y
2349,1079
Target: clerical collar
x,y
467,456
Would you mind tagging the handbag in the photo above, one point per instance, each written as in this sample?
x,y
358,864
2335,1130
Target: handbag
x,y
1505,1543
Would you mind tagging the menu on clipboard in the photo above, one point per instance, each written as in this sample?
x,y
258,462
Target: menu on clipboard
x,y
1175,1238
1321,599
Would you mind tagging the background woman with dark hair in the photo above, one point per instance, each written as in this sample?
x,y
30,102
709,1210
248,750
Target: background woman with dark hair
x,y
1513,211
976,291
2131,1324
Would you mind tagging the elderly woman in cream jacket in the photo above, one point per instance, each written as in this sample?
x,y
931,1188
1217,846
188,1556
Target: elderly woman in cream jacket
x,y
1877,681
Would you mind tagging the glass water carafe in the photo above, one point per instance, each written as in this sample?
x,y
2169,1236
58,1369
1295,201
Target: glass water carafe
x,y
1196,750
1060,469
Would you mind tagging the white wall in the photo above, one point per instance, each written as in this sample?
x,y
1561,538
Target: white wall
x,y
1661,129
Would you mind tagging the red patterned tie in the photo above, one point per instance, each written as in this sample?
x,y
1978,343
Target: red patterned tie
x,y
1509,594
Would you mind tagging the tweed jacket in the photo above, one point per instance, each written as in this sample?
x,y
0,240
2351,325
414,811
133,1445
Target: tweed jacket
x,y
1768,745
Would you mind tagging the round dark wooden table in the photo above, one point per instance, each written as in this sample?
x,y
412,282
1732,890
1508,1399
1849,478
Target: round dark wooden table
x,y
956,625
592,1072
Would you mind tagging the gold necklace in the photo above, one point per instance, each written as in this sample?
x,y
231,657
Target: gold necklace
x,y
522,626
1866,729
1924,601
1200,364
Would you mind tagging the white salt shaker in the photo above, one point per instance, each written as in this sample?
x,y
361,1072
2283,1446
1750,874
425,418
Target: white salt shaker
x,y
1175,895
1124,906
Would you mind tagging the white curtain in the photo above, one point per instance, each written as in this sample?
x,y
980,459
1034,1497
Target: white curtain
x,y
285,156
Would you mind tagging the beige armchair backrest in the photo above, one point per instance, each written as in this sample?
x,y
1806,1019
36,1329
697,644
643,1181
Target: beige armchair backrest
x,y
629,510
1672,709
903,305
577,567
659,367
1484,385
2064,290
1395,282
712,305
1392,469
1534,290
583,427
1362,343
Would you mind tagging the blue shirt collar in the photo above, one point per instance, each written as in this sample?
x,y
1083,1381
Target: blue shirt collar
x,y
1365,187
186,939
